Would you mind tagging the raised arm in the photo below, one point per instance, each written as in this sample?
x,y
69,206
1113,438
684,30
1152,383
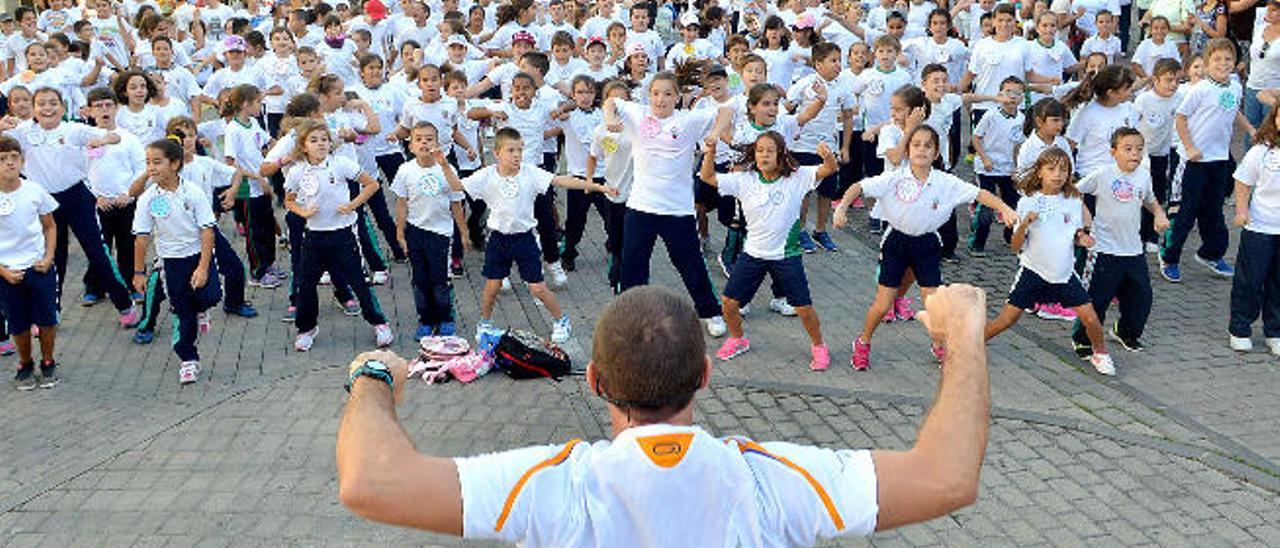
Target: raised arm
x,y
707,171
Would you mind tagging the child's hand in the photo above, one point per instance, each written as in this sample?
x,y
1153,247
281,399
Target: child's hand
x,y
709,142
347,208
916,117
43,265
199,278
499,115
1009,217
615,127
841,217
437,154
139,283
819,89
228,199
608,190
403,242
472,154
104,203
1242,218
869,136
309,212
14,277
1194,154
986,163
1084,239
1030,218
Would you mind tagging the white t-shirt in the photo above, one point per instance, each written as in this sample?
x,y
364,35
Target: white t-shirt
x,y
1049,248
21,232
111,172
614,151
207,174
924,50
1117,216
916,209
1149,52
1109,46
1088,23
147,125
55,158
876,87
826,126
174,219
1211,110
1155,120
746,134
510,199
940,119
1030,150
325,187
244,145
579,129
1000,134
225,78
771,208
781,65
429,197
664,164
1260,169
1049,61
992,62
889,137
532,123
387,102
1091,128
713,492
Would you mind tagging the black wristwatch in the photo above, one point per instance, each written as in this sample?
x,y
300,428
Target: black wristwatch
x,y
373,369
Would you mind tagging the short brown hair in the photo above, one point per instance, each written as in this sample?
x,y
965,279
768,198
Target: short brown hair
x,y
648,351
1214,45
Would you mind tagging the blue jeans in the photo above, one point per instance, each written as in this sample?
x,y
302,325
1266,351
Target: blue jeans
x,y
1254,110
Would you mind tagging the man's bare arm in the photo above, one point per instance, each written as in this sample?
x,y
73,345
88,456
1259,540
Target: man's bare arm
x,y
940,473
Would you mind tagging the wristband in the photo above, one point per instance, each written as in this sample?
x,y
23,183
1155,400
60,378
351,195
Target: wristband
x,y
373,369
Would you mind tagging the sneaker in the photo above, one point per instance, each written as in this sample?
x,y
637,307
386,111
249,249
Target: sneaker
x,y
806,243
282,241
951,258
1242,344
1171,272
1151,247
779,305
977,253
189,372
204,323
557,274
1055,311
245,310
324,279
821,358
137,297
1083,351
506,284
379,278
143,337
938,352
424,331
383,335
278,272
570,263
7,348
484,327
455,268
130,318
447,329
861,355
267,281
890,315
89,300
351,308
875,226
825,241
732,347
744,310
289,314
1102,363
902,307
25,380
1131,344
1273,345
48,377
304,340
859,203
716,327
1218,267
561,330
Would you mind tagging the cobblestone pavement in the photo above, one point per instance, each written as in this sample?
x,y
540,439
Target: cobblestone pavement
x,y
120,455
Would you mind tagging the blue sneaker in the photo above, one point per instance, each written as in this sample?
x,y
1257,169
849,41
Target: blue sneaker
x,y
1171,272
90,300
245,310
1219,267
423,331
447,329
825,241
806,243
143,337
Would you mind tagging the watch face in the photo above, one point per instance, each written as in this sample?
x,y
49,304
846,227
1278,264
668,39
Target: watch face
x,y
375,364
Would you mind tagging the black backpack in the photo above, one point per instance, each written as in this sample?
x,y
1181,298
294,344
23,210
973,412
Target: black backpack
x,y
523,355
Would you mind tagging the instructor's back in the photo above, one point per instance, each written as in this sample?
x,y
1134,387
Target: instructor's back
x,y
662,481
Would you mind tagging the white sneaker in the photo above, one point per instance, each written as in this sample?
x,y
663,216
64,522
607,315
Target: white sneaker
x,y
1243,344
780,306
1102,363
744,309
304,340
324,278
189,372
204,323
506,284
559,278
1151,247
383,335
716,327
379,278
1273,344
560,330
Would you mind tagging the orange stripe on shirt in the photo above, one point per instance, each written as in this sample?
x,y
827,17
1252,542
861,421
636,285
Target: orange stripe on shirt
x,y
515,490
753,447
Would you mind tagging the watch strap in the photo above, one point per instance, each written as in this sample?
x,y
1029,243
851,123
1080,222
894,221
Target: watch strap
x,y
366,371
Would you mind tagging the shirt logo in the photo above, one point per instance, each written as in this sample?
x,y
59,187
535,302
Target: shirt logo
x,y
429,185
1271,161
160,207
7,206
1227,100
908,189
1122,190
609,144
650,127
508,187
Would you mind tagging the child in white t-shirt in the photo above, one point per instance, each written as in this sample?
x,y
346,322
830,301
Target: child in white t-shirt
x,y
1104,41
995,137
1052,224
772,191
1155,48
1155,108
1255,289
612,150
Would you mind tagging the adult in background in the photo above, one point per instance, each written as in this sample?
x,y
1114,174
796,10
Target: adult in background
x,y
662,479
1264,63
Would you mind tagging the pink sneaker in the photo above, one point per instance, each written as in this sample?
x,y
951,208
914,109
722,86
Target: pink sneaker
x,y
7,348
1055,311
861,355
204,323
130,317
821,358
732,347
940,353
858,203
890,315
902,307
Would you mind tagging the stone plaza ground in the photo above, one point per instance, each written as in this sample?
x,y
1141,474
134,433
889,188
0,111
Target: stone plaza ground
x,y
1181,448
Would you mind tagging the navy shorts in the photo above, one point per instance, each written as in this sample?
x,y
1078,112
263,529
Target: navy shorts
x,y
922,254
1030,289
829,186
503,249
34,301
748,273
705,195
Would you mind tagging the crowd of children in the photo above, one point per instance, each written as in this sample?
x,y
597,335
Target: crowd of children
x,y
357,133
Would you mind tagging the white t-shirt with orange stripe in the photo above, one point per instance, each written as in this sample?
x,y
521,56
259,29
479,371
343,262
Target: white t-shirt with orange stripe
x,y
664,485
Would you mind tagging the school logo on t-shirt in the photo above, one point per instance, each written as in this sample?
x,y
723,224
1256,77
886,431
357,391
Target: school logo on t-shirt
x,y
876,87
6,206
909,189
609,144
1271,161
160,206
1122,190
1155,119
508,187
429,185
1227,100
650,127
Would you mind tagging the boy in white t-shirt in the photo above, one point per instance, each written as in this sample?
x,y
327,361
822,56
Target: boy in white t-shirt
x,y
995,137
1104,41
510,188
1155,108
1257,212
28,293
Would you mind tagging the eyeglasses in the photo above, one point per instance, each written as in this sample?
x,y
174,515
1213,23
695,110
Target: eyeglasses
x,y
1265,46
